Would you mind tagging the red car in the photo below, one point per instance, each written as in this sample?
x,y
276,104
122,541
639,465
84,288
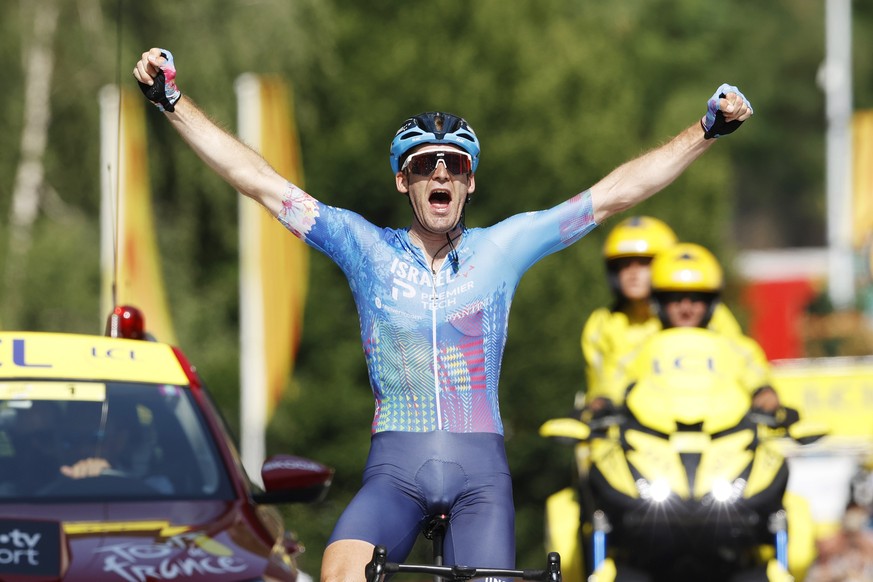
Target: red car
x,y
116,465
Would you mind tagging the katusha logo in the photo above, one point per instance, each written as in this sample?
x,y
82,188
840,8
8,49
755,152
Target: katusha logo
x,y
29,547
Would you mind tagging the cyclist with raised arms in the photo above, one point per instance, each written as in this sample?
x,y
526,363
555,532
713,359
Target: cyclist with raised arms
x,y
612,334
433,301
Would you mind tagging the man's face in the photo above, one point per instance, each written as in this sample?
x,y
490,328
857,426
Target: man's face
x,y
437,198
685,309
634,277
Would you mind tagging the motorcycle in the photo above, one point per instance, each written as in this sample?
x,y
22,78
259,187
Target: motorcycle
x,y
683,482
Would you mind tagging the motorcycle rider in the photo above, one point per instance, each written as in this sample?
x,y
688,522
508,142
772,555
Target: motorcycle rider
x,y
687,282
612,334
686,286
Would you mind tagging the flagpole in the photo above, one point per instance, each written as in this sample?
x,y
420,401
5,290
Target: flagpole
x,y
110,111
836,80
253,379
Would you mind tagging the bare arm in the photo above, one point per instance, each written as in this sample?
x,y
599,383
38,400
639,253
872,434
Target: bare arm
x,y
636,180
90,467
238,164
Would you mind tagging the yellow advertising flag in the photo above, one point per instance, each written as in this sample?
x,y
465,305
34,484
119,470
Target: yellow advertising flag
x,y
862,178
284,258
130,261
273,265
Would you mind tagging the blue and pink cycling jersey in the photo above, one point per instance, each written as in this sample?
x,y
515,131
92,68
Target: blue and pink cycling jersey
x,y
433,342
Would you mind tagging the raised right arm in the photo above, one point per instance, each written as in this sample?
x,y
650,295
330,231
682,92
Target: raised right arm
x,y
238,164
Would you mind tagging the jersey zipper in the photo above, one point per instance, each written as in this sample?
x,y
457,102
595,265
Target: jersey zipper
x,y
436,378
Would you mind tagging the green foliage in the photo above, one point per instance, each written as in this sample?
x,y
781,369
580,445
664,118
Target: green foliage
x,y
559,93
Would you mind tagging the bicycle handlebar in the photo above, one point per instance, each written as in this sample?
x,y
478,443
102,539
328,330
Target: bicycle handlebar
x,y
379,567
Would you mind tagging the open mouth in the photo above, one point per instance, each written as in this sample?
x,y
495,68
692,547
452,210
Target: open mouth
x,y
440,198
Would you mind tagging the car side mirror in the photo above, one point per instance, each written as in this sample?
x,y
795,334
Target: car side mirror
x,y
292,479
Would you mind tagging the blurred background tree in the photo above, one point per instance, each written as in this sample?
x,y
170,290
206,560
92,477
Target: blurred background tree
x,y
559,93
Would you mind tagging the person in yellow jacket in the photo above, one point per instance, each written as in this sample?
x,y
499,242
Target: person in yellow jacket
x,y
675,365
686,283
612,334
663,284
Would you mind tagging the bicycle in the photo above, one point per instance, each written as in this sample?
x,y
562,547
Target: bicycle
x,y
379,567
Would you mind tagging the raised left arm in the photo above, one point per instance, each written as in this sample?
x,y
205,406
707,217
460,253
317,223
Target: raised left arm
x,y
640,178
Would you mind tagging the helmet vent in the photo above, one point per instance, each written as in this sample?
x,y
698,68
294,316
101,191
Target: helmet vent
x,y
433,127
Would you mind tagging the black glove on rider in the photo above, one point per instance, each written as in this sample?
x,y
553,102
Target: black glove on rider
x,y
163,92
713,123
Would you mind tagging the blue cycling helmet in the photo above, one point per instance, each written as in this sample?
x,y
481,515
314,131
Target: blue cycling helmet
x,y
433,127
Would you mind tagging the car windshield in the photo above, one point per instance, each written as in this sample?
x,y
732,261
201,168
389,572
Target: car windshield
x,y
93,441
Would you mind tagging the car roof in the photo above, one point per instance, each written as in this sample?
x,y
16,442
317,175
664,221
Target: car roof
x,y
64,356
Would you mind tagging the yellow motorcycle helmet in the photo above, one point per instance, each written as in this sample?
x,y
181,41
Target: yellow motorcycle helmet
x,y
686,268
636,236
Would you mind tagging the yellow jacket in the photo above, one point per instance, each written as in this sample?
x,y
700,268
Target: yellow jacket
x,y
686,359
610,340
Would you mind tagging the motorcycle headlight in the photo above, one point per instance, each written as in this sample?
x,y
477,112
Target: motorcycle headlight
x,y
656,491
724,491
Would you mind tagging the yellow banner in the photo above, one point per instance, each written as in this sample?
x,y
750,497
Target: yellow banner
x,y
135,264
837,392
284,258
862,178
275,264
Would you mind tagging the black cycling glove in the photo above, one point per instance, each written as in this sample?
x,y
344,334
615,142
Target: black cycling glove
x,y
713,123
163,92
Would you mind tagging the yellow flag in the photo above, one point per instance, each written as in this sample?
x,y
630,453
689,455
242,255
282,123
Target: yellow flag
x,y
862,178
274,265
129,253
